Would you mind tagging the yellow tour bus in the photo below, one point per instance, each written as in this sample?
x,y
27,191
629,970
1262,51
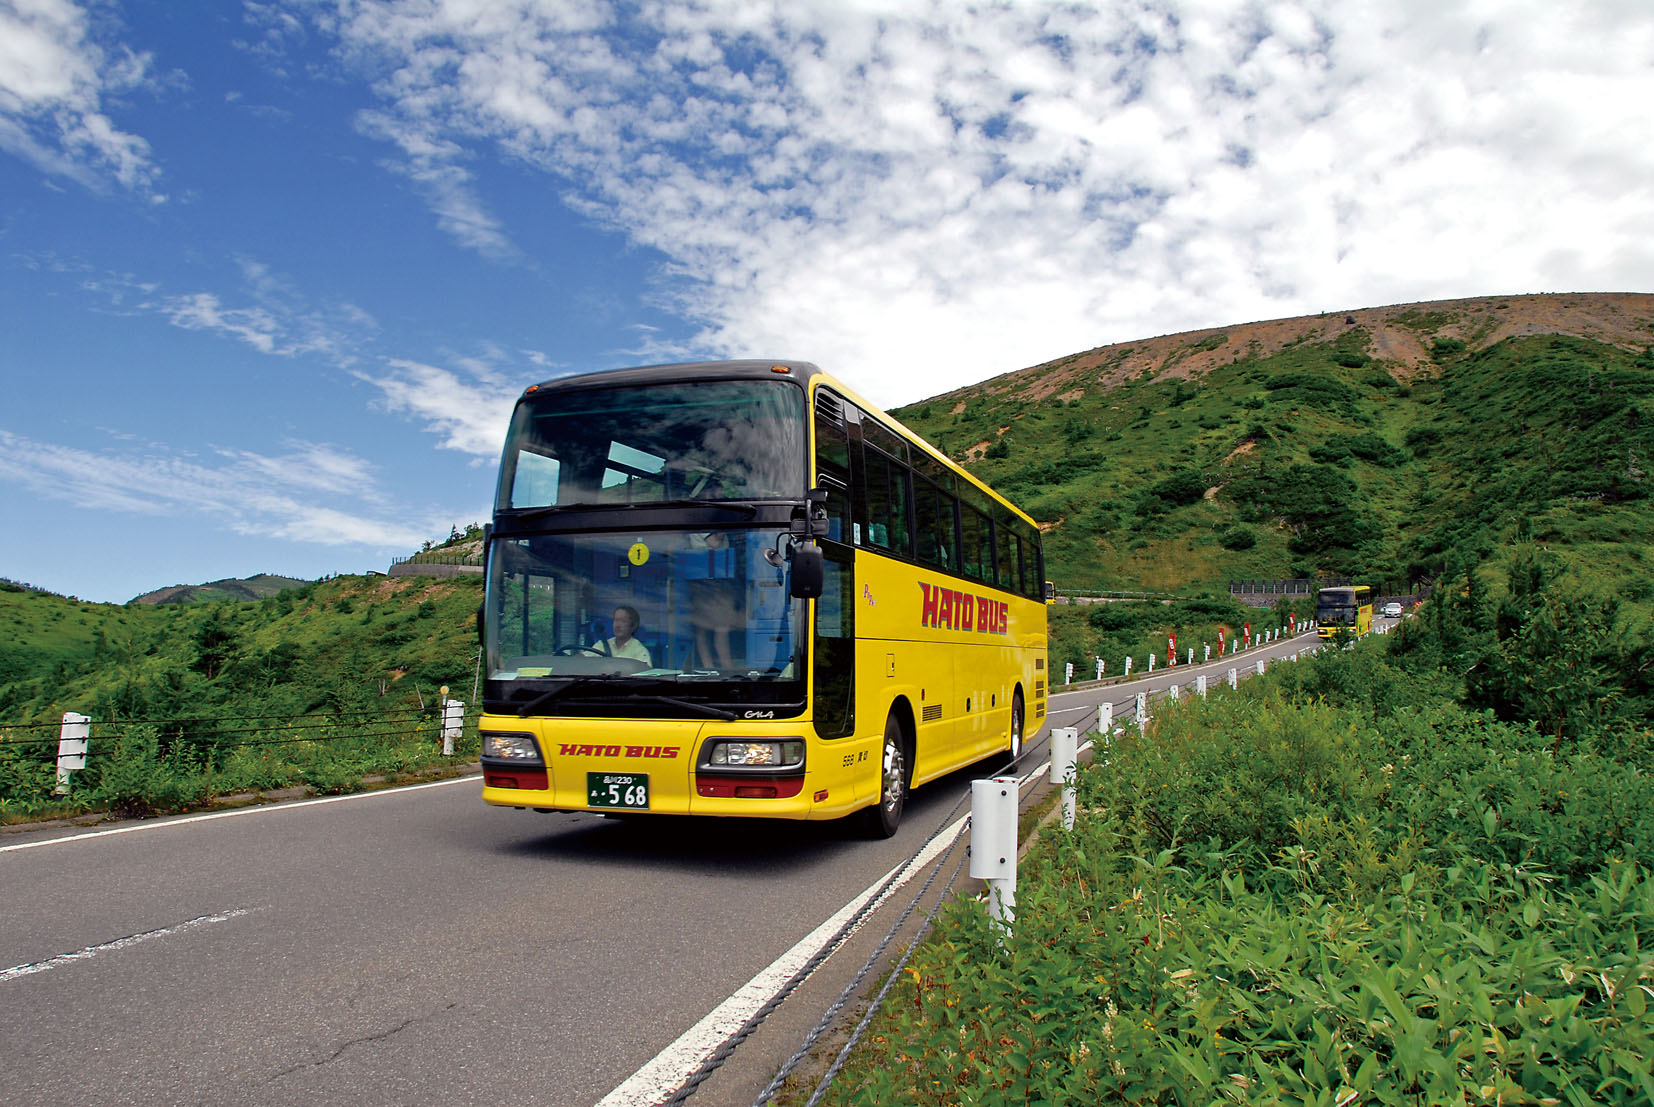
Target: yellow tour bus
x,y
735,588
1344,612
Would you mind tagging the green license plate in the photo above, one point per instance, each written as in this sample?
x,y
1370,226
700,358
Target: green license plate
x,y
628,791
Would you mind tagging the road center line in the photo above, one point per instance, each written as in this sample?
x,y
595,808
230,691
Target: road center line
x,y
119,943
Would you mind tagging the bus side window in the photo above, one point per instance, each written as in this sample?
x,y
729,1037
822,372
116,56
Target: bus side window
x,y
978,545
1005,554
885,509
833,464
934,510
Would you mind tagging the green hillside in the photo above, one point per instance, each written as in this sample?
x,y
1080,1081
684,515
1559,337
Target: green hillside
x,y
1320,456
347,644
43,634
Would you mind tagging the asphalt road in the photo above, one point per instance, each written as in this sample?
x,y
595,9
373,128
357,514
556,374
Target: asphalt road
x,y
416,946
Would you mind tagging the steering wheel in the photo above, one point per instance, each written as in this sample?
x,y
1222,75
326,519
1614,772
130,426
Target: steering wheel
x,y
595,651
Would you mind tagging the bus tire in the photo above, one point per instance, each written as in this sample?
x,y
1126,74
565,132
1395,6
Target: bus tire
x,y
1019,723
882,819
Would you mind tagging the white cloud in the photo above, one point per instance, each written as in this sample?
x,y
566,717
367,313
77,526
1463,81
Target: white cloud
x,y
315,493
53,79
470,415
272,316
921,195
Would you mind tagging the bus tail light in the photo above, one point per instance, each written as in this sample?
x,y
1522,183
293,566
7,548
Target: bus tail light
x,y
537,780
748,787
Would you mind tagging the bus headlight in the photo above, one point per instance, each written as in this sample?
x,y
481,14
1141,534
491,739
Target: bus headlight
x,y
500,745
751,753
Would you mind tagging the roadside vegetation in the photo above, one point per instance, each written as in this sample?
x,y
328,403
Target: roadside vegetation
x,y
1417,871
323,686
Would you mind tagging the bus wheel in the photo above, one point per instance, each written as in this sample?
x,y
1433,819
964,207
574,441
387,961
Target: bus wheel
x,y
1016,724
884,817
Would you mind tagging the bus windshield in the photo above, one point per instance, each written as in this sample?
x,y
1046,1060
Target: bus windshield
x,y
1336,607
1335,615
677,608
691,440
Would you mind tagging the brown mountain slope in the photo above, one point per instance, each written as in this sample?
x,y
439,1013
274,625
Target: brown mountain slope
x,y
1401,335
247,588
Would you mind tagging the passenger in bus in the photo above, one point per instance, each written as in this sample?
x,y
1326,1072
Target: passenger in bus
x,y
715,603
626,623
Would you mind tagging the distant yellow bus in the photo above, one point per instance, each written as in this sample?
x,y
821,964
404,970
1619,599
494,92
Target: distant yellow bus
x,y
1344,612
735,588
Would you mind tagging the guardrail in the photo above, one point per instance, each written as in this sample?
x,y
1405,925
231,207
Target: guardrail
x,y
1086,595
438,559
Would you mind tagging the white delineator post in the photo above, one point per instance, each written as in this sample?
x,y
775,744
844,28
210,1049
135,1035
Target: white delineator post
x,y
1260,667
453,722
1200,686
1105,720
72,739
1234,678
994,844
1065,743
1142,710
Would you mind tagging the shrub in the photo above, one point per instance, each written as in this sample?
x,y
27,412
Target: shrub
x,y
1186,486
1267,901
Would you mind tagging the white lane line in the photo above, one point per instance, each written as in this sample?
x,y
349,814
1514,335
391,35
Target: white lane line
x,y
119,943
262,809
663,1075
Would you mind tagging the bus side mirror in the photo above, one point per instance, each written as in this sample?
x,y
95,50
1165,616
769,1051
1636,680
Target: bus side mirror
x,y
1050,591
482,639
809,571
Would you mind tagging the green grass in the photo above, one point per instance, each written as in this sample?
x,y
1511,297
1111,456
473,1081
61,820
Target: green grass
x,y
1337,885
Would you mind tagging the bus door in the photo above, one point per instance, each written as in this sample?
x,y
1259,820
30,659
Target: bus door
x,y
833,667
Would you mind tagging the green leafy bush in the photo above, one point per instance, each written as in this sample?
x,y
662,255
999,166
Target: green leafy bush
x,y
1308,893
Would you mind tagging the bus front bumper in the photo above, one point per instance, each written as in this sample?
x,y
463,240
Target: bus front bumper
x,y
632,766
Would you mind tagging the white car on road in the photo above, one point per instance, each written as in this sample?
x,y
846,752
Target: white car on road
x,y
1392,611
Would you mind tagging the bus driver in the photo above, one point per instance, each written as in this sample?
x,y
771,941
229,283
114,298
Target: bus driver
x,y
626,623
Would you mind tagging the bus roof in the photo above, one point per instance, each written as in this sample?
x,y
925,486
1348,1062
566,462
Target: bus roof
x,y
806,373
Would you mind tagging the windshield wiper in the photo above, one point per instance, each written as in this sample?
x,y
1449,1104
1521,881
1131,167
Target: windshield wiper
x,y
561,690
630,684
698,708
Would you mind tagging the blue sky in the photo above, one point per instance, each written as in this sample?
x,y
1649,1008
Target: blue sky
x,y
271,273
